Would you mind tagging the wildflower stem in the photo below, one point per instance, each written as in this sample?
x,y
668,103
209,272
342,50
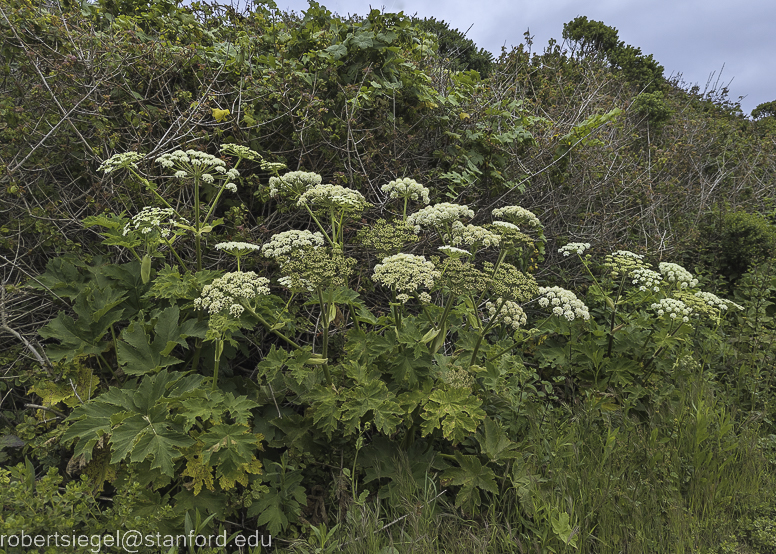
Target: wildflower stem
x,y
325,351
175,253
273,331
318,223
485,330
197,223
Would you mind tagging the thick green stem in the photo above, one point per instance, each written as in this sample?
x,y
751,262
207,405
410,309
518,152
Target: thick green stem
x,y
485,330
217,361
197,223
318,223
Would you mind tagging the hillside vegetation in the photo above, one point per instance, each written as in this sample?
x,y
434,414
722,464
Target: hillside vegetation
x,y
360,285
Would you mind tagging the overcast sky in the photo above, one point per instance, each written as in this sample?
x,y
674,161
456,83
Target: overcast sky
x,y
693,37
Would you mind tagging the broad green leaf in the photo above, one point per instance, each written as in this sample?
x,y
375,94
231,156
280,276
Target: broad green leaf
x,y
228,448
494,443
372,397
471,476
138,355
337,51
457,411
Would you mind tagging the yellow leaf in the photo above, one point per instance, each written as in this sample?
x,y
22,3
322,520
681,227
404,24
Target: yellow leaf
x,y
464,115
219,115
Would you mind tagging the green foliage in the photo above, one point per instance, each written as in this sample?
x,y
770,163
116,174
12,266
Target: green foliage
x,y
453,45
766,109
735,240
419,407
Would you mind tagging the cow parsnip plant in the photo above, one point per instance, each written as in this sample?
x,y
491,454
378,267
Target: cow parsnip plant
x,y
465,344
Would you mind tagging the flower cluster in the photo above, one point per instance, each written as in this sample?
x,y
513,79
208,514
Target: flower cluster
x,y
646,279
189,160
672,308
564,303
458,378
311,267
509,282
386,238
623,262
118,161
298,285
454,252
459,277
151,219
237,248
471,235
406,188
509,234
438,215
518,215
295,182
282,245
510,313
406,273
242,152
227,292
193,164
577,247
674,273
333,196
716,302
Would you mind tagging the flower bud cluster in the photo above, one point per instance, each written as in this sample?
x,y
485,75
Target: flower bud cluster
x,y
623,262
509,282
471,235
510,313
282,245
240,151
646,279
406,188
118,161
672,308
519,216
294,182
674,273
438,215
458,378
576,247
386,238
564,303
150,219
406,273
227,292
509,234
333,196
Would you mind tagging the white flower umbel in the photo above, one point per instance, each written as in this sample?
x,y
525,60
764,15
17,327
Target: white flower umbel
x,y
293,183
506,225
118,161
673,309
574,247
623,262
646,279
564,303
296,285
510,313
674,273
454,252
282,245
193,162
438,216
151,219
333,196
716,302
406,273
472,236
238,249
518,215
407,189
227,293
240,151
